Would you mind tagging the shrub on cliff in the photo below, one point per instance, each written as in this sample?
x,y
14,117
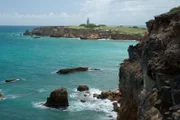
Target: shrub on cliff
x,y
88,26
101,25
135,27
82,25
176,9
91,26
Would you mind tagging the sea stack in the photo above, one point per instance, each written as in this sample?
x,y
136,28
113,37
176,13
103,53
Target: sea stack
x,y
58,98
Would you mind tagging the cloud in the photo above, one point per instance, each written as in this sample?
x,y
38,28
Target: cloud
x,y
111,12
126,11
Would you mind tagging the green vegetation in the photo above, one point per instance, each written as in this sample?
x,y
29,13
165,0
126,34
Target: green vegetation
x,y
101,25
135,27
120,29
91,26
176,9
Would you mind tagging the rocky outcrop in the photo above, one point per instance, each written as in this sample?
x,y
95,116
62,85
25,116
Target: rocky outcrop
x,y
150,78
27,32
12,80
58,98
62,31
111,95
71,70
82,88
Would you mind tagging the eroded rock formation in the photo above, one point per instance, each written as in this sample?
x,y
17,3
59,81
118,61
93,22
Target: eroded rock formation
x,y
58,98
150,78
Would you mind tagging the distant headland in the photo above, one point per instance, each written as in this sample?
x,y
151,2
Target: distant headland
x,y
90,31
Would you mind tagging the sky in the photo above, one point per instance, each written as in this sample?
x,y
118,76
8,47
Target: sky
x,y
75,12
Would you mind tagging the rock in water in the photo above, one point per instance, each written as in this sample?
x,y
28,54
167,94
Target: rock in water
x,y
83,101
82,88
71,70
27,32
58,98
115,107
12,80
1,96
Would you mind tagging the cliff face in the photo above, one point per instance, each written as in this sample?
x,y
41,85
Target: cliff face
x,y
60,31
150,78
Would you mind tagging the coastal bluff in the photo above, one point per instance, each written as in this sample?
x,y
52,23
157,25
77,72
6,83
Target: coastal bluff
x,y
95,34
150,78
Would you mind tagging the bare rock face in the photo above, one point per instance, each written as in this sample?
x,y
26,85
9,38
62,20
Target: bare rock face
x,y
82,88
71,70
149,79
27,32
58,98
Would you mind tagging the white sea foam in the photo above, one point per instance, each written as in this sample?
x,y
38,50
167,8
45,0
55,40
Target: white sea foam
x,y
1,99
54,72
41,90
39,105
11,96
91,103
103,39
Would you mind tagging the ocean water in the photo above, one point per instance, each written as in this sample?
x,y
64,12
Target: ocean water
x,y
36,61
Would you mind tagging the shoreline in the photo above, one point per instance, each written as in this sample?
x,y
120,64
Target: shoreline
x,y
83,34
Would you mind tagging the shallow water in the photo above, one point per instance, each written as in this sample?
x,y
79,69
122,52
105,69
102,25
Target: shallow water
x,y
36,62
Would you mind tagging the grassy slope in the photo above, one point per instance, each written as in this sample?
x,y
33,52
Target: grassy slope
x,y
121,29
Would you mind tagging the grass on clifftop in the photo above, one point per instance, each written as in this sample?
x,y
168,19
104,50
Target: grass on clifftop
x,y
176,9
121,29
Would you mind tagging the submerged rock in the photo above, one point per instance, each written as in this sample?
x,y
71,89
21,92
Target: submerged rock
x,y
12,80
71,70
58,98
82,88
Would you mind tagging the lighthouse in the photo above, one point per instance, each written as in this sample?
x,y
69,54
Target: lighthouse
x,y
88,21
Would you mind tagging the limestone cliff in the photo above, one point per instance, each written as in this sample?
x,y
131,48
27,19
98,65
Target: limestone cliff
x,y
150,78
62,31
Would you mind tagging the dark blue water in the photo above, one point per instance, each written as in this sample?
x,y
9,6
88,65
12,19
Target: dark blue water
x,y
37,60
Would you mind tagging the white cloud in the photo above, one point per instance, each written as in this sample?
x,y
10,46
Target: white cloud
x,y
112,12
126,11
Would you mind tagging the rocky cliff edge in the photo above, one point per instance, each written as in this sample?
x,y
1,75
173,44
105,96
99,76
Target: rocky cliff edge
x,y
150,78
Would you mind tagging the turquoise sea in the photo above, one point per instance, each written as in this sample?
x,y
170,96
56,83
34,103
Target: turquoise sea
x,y
36,62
